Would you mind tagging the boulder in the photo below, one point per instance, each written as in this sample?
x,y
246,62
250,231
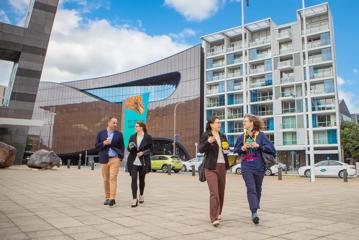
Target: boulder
x,y
7,155
44,159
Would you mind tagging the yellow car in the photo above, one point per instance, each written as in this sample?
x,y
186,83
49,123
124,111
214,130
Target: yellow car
x,y
162,162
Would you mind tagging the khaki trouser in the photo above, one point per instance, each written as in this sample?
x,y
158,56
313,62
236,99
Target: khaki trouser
x,y
109,174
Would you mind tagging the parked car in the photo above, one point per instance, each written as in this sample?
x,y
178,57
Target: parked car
x,y
162,162
187,165
328,168
283,166
268,171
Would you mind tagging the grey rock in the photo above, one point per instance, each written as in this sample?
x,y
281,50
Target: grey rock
x,y
7,155
44,159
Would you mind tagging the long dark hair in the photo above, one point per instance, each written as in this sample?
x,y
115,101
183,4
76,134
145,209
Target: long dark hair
x,y
258,123
142,125
211,121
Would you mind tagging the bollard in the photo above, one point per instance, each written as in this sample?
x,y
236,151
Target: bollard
x,y
169,169
193,170
345,175
79,166
279,173
93,165
68,163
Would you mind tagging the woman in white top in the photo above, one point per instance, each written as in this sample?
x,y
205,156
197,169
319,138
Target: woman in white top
x,y
139,160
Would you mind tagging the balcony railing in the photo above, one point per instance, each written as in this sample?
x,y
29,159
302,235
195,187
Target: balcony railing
x,y
315,29
289,141
256,70
289,125
284,34
285,50
288,110
218,64
261,84
215,104
326,124
287,79
288,94
287,63
235,115
316,59
260,41
215,51
217,77
264,98
233,74
324,107
234,47
262,55
324,74
264,113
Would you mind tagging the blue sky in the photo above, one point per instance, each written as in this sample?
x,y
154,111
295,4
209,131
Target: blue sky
x,y
135,25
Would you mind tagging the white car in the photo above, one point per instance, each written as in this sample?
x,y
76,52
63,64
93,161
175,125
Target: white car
x,y
187,165
268,172
328,168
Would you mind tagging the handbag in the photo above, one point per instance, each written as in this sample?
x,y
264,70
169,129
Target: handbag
x,y
269,159
201,175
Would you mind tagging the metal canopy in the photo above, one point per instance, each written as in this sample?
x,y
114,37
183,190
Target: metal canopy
x,y
315,10
262,24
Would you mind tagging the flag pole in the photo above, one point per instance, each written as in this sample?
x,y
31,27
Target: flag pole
x,y
310,116
244,65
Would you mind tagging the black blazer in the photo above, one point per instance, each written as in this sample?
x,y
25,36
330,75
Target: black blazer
x,y
210,151
145,147
117,145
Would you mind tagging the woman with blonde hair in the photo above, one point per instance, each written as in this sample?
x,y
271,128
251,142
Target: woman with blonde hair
x,y
251,146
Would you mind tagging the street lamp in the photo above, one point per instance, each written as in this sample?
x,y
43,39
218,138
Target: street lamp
x,y
174,127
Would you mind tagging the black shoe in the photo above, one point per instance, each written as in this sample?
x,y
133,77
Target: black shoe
x,y
107,201
111,202
134,205
255,219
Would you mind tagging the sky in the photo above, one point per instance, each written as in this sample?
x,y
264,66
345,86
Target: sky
x,y
92,38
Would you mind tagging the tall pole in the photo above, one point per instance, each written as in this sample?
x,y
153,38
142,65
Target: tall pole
x,y
310,116
244,64
174,127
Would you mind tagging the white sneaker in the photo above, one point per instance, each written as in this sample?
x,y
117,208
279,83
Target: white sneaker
x,y
215,223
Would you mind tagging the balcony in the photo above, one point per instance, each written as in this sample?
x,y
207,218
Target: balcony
x,y
316,59
285,64
261,56
322,74
267,82
288,79
264,113
285,50
217,77
264,98
260,41
288,110
216,50
256,70
326,124
217,103
315,29
234,74
235,115
234,47
288,94
285,34
218,64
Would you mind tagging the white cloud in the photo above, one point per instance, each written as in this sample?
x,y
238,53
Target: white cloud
x,y
197,10
81,48
355,71
182,36
5,70
3,17
20,5
340,81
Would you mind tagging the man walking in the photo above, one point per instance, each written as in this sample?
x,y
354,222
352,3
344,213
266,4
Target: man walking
x,y
110,144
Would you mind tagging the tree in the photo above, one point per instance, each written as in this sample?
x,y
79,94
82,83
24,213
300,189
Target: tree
x,y
349,134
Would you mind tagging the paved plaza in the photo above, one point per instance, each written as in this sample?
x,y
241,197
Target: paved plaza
x,y
67,204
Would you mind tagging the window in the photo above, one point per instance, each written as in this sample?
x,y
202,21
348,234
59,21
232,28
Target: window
x,y
335,163
289,138
322,163
289,122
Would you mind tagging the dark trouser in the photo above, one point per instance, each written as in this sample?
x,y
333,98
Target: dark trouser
x,y
216,180
141,173
253,182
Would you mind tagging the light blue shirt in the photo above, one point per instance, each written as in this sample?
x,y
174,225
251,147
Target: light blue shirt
x,y
111,152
